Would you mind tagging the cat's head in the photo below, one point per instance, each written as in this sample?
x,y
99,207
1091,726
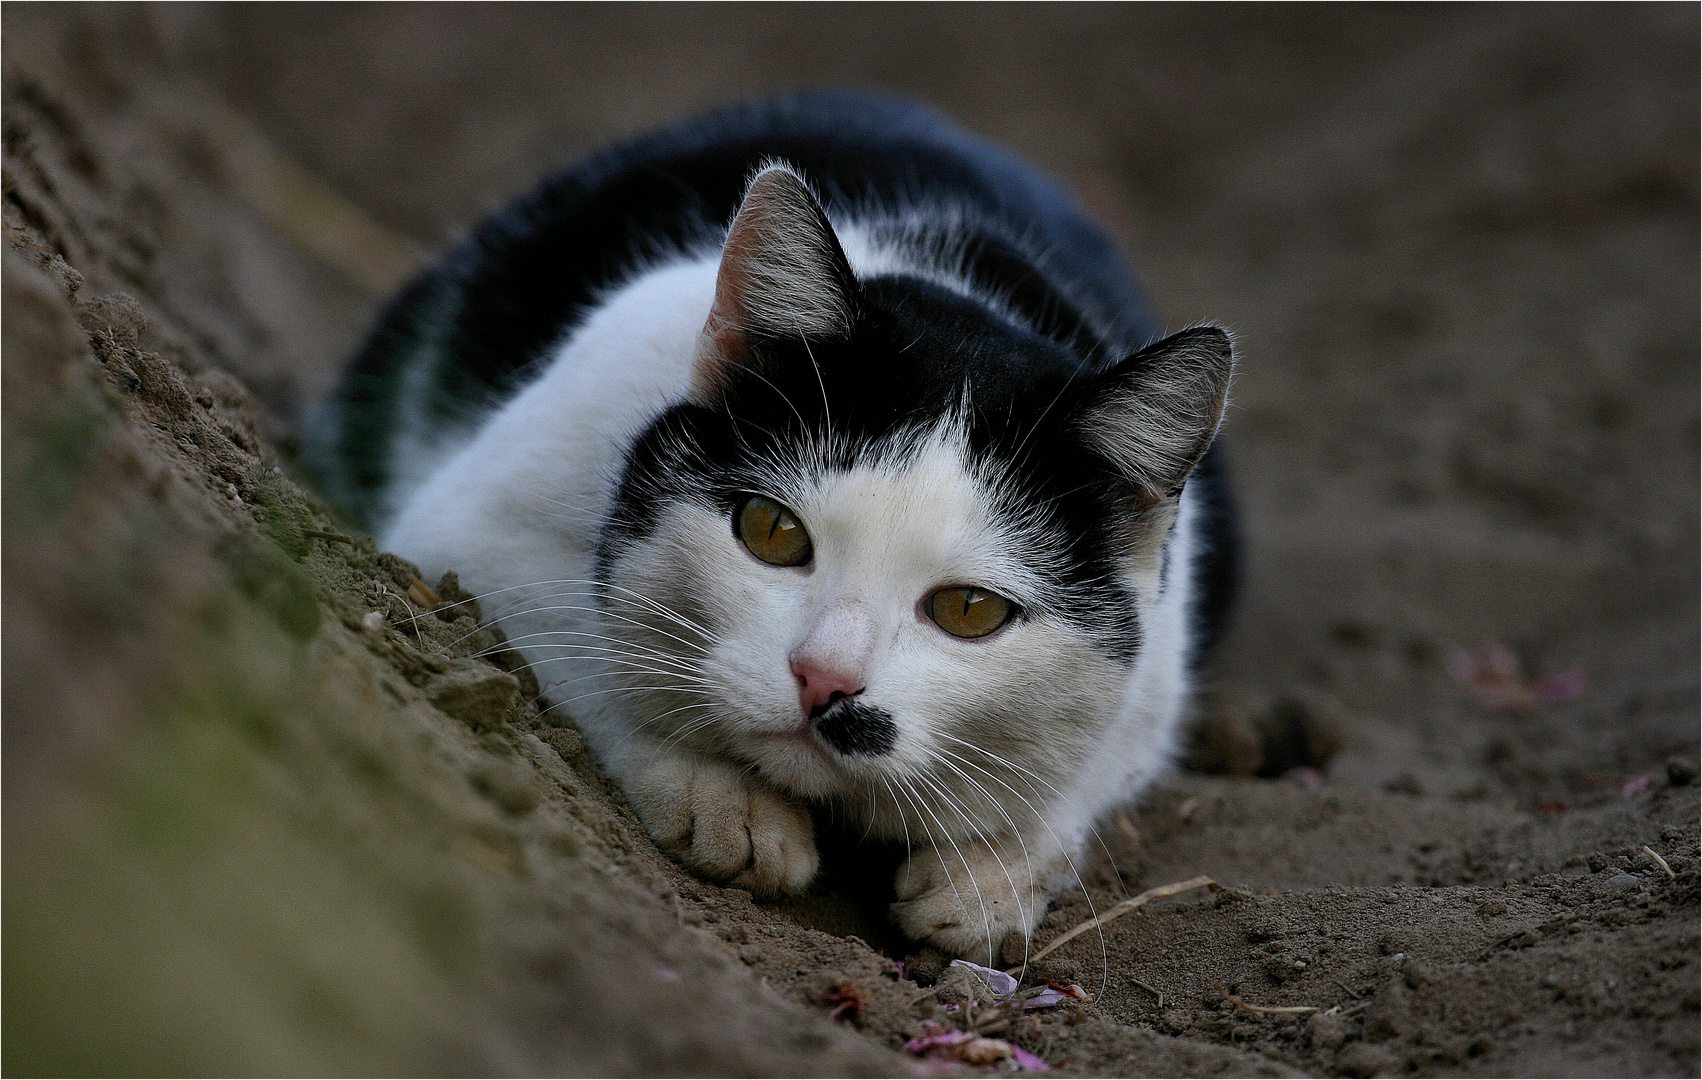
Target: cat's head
x,y
896,546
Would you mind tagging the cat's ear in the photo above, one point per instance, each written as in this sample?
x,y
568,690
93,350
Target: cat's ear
x,y
1153,415
783,274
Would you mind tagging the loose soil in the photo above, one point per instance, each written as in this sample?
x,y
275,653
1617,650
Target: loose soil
x,y
273,805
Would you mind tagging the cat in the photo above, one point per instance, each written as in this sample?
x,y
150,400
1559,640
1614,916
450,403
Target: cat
x,y
816,454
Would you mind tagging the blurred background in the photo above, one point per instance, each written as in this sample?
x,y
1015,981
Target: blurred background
x,y
1457,246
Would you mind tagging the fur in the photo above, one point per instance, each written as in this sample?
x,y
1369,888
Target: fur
x,y
917,347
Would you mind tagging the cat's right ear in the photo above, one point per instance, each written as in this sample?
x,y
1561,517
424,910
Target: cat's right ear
x,y
783,275
1153,415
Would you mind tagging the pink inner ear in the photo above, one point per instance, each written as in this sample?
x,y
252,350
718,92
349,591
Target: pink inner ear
x,y
722,345
782,271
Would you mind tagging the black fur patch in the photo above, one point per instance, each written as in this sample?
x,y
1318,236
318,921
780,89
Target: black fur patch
x,y
1217,559
856,729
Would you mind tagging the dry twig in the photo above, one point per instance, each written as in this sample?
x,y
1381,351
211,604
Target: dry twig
x,y
1153,990
1660,862
1348,990
1123,909
1273,1010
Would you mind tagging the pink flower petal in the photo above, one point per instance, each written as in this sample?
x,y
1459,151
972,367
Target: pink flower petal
x,y
1636,785
1305,776
1561,688
1499,664
1027,1060
1045,998
1462,665
998,980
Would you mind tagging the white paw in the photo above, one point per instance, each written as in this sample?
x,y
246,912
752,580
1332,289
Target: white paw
x,y
965,900
724,826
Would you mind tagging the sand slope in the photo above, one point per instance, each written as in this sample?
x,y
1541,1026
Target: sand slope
x,y
265,813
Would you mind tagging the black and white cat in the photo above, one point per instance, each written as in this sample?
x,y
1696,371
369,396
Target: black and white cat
x,y
816,453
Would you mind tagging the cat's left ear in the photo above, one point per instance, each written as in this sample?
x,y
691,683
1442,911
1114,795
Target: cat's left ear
x,y
1153,415
783,275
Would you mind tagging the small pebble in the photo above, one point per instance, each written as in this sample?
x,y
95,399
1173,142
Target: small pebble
x,y
983,1051
1326,1031
422,596
925,965
1622,882
373,620
473,691
1365,1059
958,985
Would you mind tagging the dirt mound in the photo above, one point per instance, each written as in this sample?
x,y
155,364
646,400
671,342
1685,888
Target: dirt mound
x,y
273,804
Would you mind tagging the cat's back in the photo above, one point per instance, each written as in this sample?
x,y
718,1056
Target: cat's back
x,y
465,336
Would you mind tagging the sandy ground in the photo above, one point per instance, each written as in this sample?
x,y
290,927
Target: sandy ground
x,y
265,813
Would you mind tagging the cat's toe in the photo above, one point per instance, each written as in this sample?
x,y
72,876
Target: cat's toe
x,y
725,827
965,907
944,920
782,844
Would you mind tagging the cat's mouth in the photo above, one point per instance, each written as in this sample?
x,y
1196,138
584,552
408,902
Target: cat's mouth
x,y
798,760
801,737
818,756
845,728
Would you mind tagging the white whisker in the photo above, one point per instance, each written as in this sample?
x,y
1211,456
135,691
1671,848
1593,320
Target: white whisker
x,y
1016,894
1028,862
986,917
1075,872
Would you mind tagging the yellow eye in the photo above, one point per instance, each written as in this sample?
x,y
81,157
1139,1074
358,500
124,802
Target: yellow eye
x,y
772,533
969,612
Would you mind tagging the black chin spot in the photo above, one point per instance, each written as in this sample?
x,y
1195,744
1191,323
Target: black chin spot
x,y
853,728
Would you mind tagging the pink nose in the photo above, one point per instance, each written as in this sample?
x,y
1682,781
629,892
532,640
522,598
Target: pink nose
x,y
817,684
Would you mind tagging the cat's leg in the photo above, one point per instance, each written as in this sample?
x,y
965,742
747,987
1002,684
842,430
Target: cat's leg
x,y
724,823
966,896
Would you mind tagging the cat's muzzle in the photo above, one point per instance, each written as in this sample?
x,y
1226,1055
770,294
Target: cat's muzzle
x,y
855,729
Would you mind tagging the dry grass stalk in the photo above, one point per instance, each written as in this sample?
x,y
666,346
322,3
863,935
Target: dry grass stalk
x,y
1660,862
1273,1010
1123,909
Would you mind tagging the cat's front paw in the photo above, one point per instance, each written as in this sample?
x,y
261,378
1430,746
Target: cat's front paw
x,y
967,898
724,826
